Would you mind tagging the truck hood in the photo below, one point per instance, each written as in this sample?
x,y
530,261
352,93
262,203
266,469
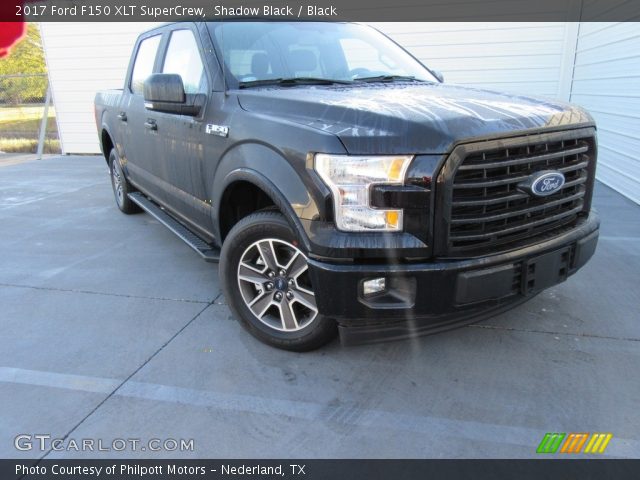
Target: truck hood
x,y
395,118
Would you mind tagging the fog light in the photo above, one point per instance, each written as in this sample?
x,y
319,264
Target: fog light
x,y
375,285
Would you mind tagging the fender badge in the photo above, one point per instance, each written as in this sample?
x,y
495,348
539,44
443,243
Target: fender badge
x,y
219,130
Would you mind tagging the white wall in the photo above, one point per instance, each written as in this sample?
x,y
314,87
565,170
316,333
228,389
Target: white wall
x,y
517,57
83,58
606,81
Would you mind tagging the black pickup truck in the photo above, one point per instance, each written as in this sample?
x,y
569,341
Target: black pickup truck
x,y
342,186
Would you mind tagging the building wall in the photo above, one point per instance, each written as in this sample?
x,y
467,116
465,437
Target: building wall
x,y
515,57
595,65
606,81
83,58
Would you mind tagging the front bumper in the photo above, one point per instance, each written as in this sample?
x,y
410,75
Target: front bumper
x,y
423,298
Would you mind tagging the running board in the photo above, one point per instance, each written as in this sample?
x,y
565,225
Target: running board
x,y
207,251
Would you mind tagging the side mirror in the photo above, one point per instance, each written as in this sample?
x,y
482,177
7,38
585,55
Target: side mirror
x,y
164,92
438,74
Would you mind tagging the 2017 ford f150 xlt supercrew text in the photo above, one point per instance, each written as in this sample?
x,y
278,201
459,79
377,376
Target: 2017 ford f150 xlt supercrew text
x,y
341,184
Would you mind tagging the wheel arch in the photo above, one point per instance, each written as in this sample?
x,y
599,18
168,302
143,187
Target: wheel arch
x,y
106,142
266,192
278,175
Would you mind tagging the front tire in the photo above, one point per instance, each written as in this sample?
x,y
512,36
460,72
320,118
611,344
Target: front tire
x,y
266,282
121,187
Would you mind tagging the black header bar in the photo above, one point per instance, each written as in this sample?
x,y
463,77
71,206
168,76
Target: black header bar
x,y
579,469
328,10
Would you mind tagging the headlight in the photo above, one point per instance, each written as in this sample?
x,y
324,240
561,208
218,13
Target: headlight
x,y
350,179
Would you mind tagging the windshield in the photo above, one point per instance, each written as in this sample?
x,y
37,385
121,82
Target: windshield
x,y
343,52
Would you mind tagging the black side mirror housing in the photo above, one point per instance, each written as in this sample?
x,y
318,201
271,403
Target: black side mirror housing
x,y
164,92
164,88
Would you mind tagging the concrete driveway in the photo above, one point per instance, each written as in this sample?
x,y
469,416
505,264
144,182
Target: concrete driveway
x,y
111,328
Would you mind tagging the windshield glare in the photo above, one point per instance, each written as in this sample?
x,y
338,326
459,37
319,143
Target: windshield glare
x,y
259,51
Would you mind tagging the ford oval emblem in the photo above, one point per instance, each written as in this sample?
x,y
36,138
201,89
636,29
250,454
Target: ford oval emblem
x,y
543,184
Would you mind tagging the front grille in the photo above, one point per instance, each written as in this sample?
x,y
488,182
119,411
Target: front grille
x,y
489,212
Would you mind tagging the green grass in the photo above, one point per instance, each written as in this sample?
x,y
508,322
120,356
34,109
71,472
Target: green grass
x,y
20,129
28,145
27,128
23,112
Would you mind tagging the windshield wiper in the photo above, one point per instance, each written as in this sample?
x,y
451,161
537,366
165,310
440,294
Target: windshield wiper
x,y
285,82
388,78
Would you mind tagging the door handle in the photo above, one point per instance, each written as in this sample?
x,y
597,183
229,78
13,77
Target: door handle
x,y
122,116
151,125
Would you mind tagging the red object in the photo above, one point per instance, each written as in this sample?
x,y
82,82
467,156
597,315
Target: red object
x,y
10,34
12,28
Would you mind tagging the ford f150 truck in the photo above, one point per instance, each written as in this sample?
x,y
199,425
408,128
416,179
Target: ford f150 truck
x,y
341,185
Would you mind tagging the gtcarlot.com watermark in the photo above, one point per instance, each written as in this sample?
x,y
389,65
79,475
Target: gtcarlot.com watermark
x,y
45,442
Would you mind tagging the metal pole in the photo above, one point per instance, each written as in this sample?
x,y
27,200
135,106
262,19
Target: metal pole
x,y
43,123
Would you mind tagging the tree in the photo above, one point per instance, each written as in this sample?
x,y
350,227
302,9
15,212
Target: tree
x,y
26,58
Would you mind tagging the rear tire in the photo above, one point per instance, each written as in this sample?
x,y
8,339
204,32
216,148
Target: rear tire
x,y
266,282
121,187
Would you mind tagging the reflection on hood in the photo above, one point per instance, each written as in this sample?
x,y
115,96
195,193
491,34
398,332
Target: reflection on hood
x,y
408,117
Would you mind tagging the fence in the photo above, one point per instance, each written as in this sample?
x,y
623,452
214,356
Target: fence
x,y
27,120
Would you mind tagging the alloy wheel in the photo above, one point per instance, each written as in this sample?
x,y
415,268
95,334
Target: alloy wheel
x,y
273,277
116,177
